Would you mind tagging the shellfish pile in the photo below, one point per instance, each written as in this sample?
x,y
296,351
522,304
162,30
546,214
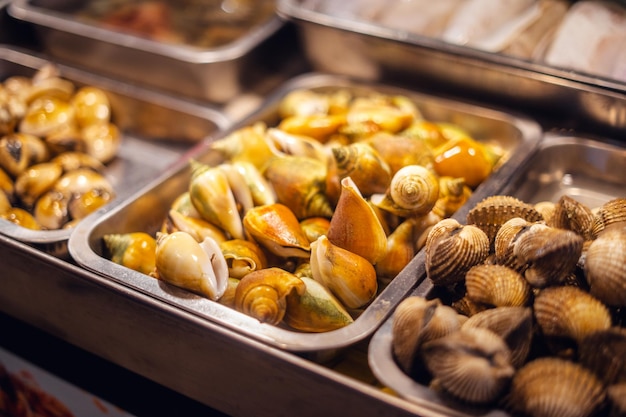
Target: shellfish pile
x,y
302,223
55,140
527,310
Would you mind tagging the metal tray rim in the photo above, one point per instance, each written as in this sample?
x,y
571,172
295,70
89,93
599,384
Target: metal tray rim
x,y
23,10
373,315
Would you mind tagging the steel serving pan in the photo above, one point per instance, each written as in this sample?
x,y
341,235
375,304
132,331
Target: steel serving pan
x,y
371,51
591,170
156,129
214,74
146,210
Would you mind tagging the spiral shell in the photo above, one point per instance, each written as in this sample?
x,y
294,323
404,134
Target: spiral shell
x,y
135,250
492,212
400,151
198,267
413,191
548,387
242,257
570,214
453,194
569,312
417,320
263,294
550,254
513,324
355,226
248,145
497,285
350,277
605,266
613,211
364,165
452,249
198,228
297,145
277,229
473,364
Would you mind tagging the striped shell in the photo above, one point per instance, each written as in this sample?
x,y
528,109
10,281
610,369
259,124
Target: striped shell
x,y
605,266
570,214
609,362
551,387
613,211
452,249
505,240
494,211
497,285
569,312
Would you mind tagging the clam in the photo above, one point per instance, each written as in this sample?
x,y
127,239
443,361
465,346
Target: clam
x,y
417,320
135,250
573,215
242,257
316,310
355,226
504,243
547,387
604,352
605,266
611,212
550,254
102,141
497,285
569,312
211,195
299,184
21,218
513,324
492,212
350,277
36,180
276,228
413,191
473,364
363,164
452,249
92,106
199,267
546,209
262,294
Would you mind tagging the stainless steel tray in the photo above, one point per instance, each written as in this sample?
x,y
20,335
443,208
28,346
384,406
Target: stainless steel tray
x,y
370,51
213,74
157,130
516,134
587,169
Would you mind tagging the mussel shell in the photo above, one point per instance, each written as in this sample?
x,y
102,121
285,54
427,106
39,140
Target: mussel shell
x,y
555,387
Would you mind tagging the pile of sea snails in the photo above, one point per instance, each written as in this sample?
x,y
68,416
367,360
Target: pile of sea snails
x,y
55,139
303,223
527,312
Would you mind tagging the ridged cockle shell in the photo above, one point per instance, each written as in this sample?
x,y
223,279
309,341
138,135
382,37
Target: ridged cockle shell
x,y
262,294
452,249
276,228
413,191
605,265
355,226
613,211
198,267
350,277
497,285
211,195
570,214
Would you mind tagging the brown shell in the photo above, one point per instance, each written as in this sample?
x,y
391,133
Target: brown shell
x,y
609,362
513,324
616,398
505,240
605,266
555,387
546,209
613,211
569,312
452,249
472,364
570,214
497,285
494,211
550,254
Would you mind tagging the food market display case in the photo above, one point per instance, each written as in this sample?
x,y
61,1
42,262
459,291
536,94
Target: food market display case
x,y
550,128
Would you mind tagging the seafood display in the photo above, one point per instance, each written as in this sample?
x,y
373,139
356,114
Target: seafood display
x,y
517,326
303,222
56,139
585,36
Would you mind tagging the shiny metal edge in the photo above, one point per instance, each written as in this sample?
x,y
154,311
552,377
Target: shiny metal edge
x,y
380,354
387,53
26,11
316,343
55,241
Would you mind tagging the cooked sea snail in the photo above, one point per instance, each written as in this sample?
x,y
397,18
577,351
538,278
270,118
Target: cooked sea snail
x,y
342,186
